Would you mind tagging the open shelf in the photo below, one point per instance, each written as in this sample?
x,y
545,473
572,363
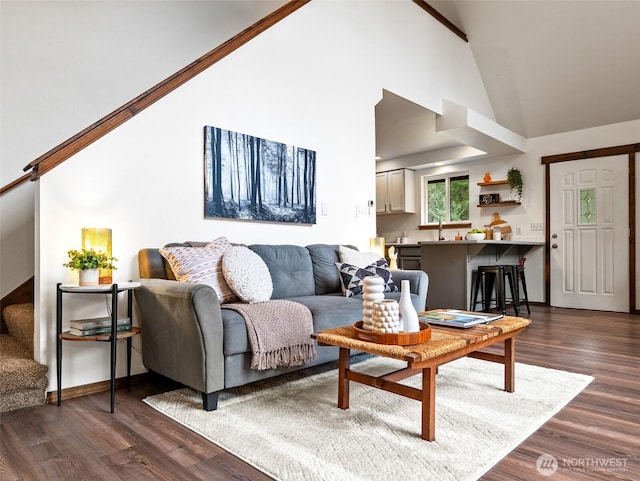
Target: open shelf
x,y
493,182
500,204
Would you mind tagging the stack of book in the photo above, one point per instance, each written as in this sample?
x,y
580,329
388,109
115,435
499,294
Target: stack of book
x,y
97,325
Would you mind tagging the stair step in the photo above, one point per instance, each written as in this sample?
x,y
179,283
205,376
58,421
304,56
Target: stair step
x,y
19,319
23,381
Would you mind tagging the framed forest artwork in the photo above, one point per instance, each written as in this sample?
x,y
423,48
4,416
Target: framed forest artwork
x,y
250,178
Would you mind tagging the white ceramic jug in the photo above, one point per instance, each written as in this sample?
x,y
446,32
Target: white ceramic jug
x,y
408,315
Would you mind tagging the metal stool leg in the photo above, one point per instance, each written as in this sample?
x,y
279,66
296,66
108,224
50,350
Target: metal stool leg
x,y
489,281
522,279
511,275
479,286
475,284
501,301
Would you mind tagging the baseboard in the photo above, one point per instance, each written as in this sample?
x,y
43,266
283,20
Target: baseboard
x,y
94,388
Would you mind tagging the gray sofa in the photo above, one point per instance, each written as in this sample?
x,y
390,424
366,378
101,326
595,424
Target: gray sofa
x,y
187,337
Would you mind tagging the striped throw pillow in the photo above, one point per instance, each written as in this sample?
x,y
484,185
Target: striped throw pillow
x,y
201,265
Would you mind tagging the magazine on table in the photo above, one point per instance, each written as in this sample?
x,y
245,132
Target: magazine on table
x,y
458,318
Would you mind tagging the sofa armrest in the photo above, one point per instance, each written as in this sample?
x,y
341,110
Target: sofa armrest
x,y
419,281
182,335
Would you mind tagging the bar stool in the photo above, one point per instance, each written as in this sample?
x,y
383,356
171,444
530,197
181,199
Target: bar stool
x,y
490,277
518,280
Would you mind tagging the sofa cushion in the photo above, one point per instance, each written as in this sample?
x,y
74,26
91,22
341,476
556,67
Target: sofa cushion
x,y
325,272
201,265
353,276
327,311
290,268
247,274
332,311
235,339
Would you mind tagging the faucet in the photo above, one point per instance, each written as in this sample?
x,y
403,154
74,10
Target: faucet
x,y
440,236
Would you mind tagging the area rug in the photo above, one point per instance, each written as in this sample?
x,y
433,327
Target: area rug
x,y
291,429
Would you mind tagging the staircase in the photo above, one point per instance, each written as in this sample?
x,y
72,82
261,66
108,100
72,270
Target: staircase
x,y
23,381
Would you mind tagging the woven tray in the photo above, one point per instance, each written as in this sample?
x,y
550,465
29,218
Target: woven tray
x,y
397,338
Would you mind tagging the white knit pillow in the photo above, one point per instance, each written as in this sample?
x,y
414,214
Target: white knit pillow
x,y
247,274
202,265
357,258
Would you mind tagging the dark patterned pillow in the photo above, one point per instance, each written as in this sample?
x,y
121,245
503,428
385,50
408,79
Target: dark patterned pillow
x,y
352,277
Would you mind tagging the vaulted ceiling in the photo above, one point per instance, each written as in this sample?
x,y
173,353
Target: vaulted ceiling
x,y
554,66
548,66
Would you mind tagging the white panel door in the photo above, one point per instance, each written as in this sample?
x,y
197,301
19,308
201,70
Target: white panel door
x,y
590,234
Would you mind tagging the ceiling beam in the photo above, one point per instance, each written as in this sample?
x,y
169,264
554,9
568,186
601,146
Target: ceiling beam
x,y
441,18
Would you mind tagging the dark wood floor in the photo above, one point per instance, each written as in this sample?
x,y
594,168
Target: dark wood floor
x,y
81,440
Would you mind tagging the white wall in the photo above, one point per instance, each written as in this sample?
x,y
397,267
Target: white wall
x,y
295,84
533,205
66,64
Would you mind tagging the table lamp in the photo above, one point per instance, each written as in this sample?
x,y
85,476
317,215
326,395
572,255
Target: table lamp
x,y
98,239
376,244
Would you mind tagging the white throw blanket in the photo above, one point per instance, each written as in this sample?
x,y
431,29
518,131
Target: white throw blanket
x,y
279,333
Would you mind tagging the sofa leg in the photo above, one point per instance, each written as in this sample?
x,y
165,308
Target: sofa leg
x,y
210,401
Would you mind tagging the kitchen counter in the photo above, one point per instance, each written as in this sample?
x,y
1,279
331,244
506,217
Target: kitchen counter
x,y
451,266
492,242
515,242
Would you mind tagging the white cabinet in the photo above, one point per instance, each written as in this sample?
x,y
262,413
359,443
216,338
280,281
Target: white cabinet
x,y
395,192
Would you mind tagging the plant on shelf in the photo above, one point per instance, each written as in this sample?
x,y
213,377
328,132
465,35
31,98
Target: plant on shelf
x,y
89,259
514,177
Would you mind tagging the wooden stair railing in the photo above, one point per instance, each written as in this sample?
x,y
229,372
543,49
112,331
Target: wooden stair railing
x,y
82,139
15,183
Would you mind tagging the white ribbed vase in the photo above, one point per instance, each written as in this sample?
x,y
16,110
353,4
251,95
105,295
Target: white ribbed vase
x,y
372,290
408,314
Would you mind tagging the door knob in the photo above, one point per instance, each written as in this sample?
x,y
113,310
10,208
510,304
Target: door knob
x,y
554,246
555,236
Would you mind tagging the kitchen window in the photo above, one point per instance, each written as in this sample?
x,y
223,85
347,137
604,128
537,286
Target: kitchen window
x,y
446,198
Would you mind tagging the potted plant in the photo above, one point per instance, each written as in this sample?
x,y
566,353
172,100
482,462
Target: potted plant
x,y
514,177
88,262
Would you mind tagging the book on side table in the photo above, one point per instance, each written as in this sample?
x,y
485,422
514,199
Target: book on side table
x,y
458,318
97,325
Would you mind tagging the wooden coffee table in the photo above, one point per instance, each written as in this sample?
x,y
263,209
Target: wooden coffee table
x,y
446,344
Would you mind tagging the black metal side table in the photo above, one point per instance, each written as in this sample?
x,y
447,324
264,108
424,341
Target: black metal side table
x,y
114,290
